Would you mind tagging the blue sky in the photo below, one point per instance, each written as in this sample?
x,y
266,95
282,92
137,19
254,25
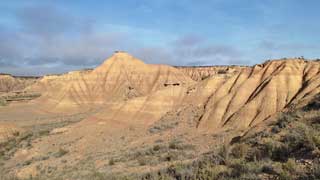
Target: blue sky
x,y
42,36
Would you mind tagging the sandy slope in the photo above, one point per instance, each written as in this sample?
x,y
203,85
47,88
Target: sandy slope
x,y
251,96
119,78
139,104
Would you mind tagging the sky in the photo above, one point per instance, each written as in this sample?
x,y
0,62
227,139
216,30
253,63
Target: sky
x,y
40,37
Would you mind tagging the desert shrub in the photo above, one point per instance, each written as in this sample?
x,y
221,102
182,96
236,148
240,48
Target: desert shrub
x,y
290,166
280,153
161,175
244,169
163,125
316,140
4,176
95,175
210,158
315,170
175,144
240,150
26,163
61,152
300,140
284,119
223,153
268,169
269,148
256,138
44,133
275,129
255,154
238,168
180,171
313,105
171,156
270,145
158,141
111,162
156,147
285,175
3,102
211,172
142,161
26,136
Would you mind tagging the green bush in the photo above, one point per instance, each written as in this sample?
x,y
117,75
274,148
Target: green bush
x,y
280,153
285,175
238,168
290,166
211,172
300,140
223,153
240,150
284,119
316,140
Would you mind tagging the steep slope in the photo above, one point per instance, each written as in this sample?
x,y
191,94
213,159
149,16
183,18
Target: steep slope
x,y
288,148
119,78
252,96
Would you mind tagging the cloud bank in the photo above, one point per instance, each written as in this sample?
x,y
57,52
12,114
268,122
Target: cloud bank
x,y
47,39
54,37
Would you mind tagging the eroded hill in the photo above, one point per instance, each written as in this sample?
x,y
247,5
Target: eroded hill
x,y
10,83
138,117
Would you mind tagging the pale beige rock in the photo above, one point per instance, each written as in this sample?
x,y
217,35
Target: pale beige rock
x,y
251,96
9,83
199,73
239,97
119,78
131,97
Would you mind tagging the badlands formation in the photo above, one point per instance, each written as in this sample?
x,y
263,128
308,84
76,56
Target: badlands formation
x,y
107,118
10,83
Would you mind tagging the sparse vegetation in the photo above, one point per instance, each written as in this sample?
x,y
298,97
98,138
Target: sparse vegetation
x,y
61,152
288,150
111,162
7,98
3,102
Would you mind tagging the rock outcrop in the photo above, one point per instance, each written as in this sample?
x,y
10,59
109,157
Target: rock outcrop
x,y
233,96
199,73
121,77
254,95
10,83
